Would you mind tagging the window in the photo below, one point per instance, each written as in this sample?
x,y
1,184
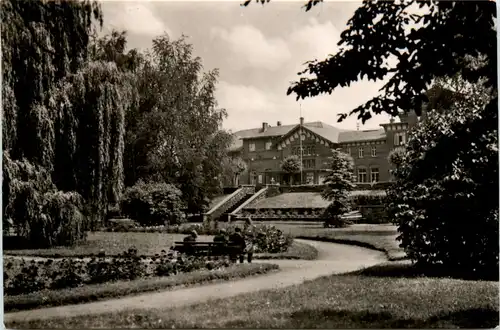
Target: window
x,y
361,152
260,178
374,174
374,151
313,150
309,163
399,139
251,146
268,145
349,151
361,175
308,151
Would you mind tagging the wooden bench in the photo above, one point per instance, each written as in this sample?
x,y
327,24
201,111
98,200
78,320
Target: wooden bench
x,y
212,249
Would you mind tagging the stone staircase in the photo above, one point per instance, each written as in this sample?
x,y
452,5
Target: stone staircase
x,y
229,203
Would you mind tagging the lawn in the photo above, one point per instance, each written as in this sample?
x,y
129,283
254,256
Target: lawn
x,y
330,302
147,244
380,237
88,293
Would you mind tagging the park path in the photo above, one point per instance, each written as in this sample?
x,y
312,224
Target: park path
x,y
332,259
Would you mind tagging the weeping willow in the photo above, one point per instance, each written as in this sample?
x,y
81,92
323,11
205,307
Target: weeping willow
x,y
91,124
63,121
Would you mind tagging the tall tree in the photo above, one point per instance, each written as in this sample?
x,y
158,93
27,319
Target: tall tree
x,y
64,115
174,133
42,42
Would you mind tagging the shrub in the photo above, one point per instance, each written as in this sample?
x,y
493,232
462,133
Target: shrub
x,y
445,199
41,214
27,280
332,218
267,239
153,204
70,274
21,277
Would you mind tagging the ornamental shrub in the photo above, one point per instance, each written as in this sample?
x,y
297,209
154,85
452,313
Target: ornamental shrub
x,y
153,204
43,215
445,199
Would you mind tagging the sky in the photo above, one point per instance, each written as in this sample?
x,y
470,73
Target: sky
x,y
258,51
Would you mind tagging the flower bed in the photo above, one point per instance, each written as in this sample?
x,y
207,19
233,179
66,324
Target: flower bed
x,y
22,277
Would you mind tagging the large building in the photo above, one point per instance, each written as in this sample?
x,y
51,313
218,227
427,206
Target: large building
x,y
264,148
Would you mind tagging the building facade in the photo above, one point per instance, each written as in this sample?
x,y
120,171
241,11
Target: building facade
x,y
263,149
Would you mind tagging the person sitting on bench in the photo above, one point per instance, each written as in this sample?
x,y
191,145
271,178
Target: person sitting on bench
x,y
221,236
238,240
191,238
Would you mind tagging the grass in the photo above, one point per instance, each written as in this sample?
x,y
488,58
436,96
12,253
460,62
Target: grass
x,y
95,292
147,244
296,251
330,302
378,237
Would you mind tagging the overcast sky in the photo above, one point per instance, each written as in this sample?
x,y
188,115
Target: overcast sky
x,y
258,50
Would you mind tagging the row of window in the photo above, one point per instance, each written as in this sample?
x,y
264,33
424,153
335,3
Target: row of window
x,y
251,146
361,152
399,140
309,163
363,174
308,150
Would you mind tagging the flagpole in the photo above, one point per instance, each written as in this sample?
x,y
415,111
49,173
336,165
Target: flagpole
x,y
300,138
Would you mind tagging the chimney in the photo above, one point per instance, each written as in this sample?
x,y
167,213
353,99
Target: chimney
x,y
264,127
301,121
278,123
391,120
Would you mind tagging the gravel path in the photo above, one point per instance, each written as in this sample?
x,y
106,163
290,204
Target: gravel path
x,y
332,259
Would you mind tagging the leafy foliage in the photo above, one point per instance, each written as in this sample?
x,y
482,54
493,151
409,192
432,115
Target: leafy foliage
x,y
22,277
291,164
64,120
412,42
173,133
89,158
40,213
153,204
233,167
36,55
338,184
445,200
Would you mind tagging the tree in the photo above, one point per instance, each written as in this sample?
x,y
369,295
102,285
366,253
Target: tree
x,y
233,168
394,39
339,183
89,147
445,198
111,48
173,134
291,165
64,118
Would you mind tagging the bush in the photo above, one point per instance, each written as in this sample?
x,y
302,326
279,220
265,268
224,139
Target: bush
x,y
153,204
445,199
21,277
41,214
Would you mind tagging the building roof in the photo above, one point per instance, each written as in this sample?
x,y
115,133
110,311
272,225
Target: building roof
x,y
328,132
368,135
